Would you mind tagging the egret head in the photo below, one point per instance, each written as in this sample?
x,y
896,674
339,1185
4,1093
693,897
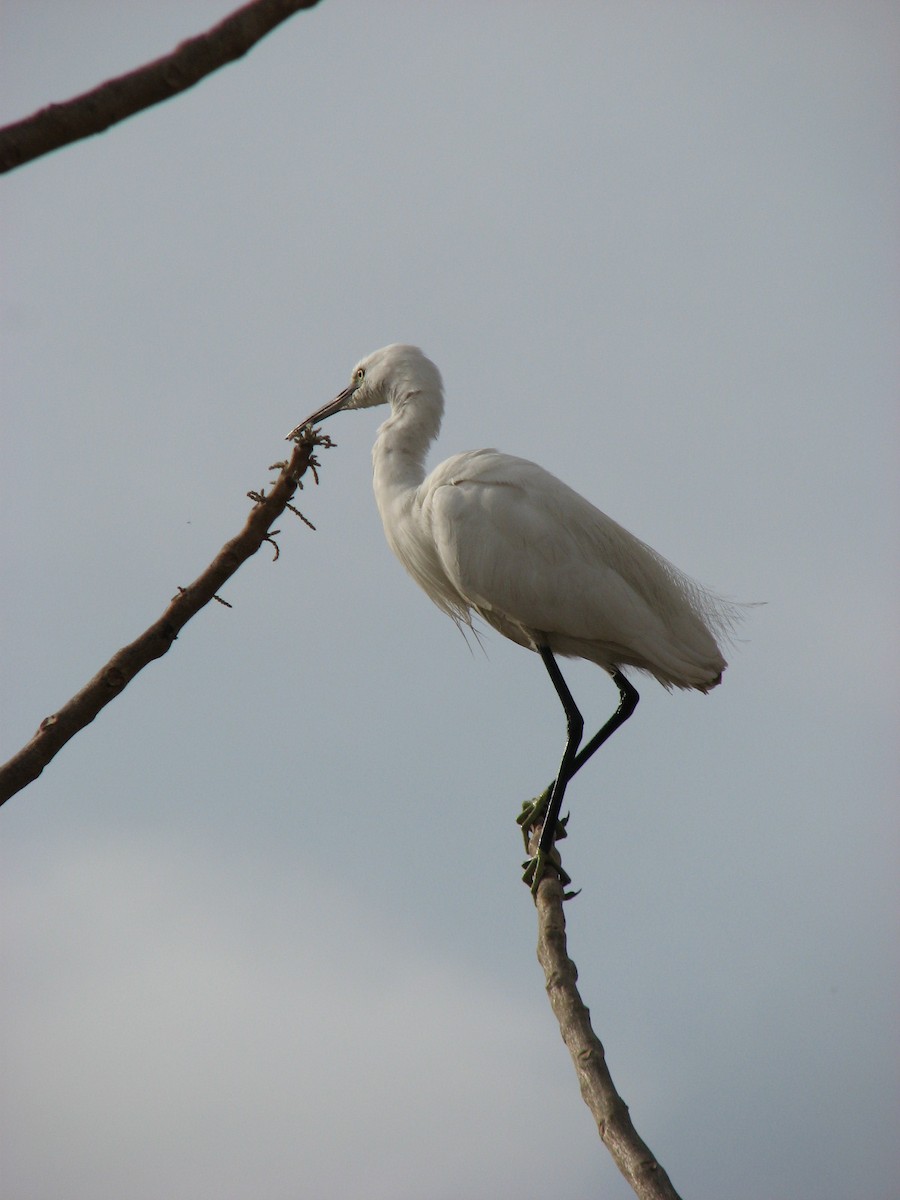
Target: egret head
x,y
386,376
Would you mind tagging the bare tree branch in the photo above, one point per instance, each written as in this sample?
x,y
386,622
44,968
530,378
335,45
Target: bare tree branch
x,y
54,731
113,101
632,1156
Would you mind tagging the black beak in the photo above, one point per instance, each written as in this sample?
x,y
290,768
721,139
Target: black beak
x,y
340,402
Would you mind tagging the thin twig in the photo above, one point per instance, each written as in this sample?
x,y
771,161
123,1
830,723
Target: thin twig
x,y
632,1156
59,124
54,731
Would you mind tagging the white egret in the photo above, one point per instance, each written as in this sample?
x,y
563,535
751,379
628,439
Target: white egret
x,y
489,534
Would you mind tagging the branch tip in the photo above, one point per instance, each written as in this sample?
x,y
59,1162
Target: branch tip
x,y
58,728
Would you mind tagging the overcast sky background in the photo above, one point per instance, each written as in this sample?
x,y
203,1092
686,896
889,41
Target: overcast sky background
x,y
264,933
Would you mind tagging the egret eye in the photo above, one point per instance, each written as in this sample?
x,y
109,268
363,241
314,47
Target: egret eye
x,y
359,374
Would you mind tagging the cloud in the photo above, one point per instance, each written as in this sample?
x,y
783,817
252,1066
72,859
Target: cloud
x,y
176,1033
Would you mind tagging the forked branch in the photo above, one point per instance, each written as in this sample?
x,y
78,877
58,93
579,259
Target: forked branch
x,y
59,124
54,731
632,1156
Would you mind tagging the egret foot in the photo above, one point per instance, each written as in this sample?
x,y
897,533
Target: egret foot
x,y
535,869
532,817
532,814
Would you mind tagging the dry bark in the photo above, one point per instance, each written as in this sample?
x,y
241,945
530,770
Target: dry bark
x,y
632,1155
54,731
59,124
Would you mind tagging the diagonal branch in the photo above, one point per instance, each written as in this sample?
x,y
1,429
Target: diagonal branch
x,y
54,731
632,1156
113,101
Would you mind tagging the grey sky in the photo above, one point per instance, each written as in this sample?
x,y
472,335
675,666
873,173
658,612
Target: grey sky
x,y
263,927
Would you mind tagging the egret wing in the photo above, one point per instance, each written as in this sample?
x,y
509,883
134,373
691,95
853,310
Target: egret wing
x,y
540,563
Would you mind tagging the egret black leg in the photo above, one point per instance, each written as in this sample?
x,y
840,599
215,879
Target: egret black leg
x,y
573,760
628,701
567,768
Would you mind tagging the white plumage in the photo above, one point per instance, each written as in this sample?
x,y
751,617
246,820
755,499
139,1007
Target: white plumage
x,y
490,534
